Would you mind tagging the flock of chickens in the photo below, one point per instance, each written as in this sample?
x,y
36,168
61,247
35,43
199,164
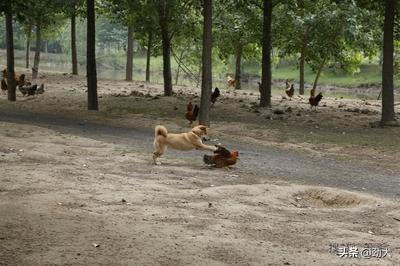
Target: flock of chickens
x,y
25,87
313,100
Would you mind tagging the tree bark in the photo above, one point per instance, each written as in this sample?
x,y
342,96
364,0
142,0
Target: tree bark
x,y
36,60
206,80
166,44
266,82
301,69
239,51
319,71
388,113
73,45
10,54
129,54
28,45
149,44
91,56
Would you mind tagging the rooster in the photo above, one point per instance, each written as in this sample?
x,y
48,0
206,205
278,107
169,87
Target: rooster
x,y
191,113
216,93
314,100
290,92
221,158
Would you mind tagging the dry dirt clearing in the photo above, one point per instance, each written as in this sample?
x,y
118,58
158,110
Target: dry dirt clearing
x,y
69,199
72,200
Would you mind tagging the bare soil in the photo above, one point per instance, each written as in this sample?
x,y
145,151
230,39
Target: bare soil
x,y
81,197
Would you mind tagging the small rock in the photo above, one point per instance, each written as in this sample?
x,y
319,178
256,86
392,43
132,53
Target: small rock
x,y
96,245
209,205
123,201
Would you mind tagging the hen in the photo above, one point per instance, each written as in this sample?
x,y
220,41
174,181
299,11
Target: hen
x,y
314,100
290,92
221,158
191,113
216,93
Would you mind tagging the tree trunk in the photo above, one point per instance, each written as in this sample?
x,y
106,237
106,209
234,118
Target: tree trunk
x,y
10,54
206,80
149,44
28,46
91,56
319,71
301,86
166,45
266,82
129,54
36,60
73,45
387,69
179,67
239,51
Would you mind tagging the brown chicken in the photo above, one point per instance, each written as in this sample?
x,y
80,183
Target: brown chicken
x,y
221,158
290,92
216,93
191,113
314,100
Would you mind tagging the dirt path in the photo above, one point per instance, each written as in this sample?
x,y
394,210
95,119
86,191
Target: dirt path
x,y
74,192
260,162
67,199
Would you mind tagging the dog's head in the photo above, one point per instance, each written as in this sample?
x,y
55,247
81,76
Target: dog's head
x,y
200,131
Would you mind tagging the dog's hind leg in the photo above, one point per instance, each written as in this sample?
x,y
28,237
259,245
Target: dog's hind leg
x,y
159,150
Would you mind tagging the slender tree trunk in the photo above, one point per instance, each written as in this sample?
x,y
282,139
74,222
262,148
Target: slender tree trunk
x,y
28,45
36,60
179,67
73,45
166,44
149,44
266,82
239,51
301,63
388,113
129,54
319,71
91,56
206,80
10,54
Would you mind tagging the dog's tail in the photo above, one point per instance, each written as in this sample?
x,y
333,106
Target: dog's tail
x,y
160,131
208,159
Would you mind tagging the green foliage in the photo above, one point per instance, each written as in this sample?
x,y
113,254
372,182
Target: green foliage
x,y
237,23
329,31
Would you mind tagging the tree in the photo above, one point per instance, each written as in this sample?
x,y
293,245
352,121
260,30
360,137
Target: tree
x,y
164,17
388,114
10,53
237,23
206,81
91,56
43,14
265,90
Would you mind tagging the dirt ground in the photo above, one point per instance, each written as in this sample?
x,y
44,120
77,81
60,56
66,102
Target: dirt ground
x,y
77,199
